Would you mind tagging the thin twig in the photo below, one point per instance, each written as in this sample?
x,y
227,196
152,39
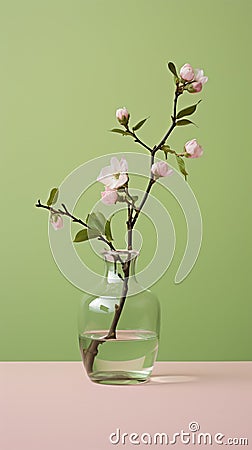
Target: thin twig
x,y
136,138
173,125
62,213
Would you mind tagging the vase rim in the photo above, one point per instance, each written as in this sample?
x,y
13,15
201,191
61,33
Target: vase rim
x,y
129,254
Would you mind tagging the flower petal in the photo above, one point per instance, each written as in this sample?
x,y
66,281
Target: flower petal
x,y
106,171
115,165
204,80
123,165
198,74
108,181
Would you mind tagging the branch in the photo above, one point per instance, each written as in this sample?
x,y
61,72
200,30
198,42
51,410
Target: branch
x,y
148,189
140,142
62,213
136,138
65,212
92,350
173,125
154,151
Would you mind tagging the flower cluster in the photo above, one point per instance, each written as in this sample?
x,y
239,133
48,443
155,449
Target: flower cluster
x,y
113,177
194,77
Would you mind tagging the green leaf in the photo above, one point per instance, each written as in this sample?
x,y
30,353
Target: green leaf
x,y
93,233
124,133
86,234
97,221
172,69
117,130
139,124
131,198
53,197
184,122
81,236
167,149
108,232
188,111
121,198
181,165
102,220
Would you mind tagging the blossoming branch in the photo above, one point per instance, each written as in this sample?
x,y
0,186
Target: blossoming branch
x,y
115,176
115,179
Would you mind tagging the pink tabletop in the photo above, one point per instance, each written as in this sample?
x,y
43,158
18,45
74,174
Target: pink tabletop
x,y
53,406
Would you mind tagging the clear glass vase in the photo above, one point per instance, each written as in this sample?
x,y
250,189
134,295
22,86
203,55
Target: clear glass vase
x,y
119,328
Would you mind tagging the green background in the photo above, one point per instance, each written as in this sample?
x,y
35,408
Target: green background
x,y
65,67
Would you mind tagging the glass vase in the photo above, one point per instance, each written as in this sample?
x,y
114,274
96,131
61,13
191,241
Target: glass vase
x,y
119,328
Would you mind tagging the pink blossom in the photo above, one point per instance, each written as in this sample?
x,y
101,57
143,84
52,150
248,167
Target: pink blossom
x,y
115,175
109,196
199,76
193,149
56,221
122,115
200,80
161,169
187,72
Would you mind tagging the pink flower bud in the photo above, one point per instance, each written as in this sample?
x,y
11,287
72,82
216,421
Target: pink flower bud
x,y
193,149
161,169
56,221
195,87
187,72
122,116
109,196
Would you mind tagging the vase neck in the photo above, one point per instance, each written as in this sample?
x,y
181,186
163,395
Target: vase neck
x,y
120,264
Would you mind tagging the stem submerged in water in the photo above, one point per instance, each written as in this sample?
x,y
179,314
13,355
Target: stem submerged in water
x,y
92,350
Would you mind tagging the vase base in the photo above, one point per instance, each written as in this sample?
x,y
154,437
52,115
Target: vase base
x,y
119,378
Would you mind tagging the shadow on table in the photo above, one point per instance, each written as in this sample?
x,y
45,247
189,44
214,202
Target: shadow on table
x,y
172,379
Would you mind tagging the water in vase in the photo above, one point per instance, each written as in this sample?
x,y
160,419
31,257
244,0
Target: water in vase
x,y
128,359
